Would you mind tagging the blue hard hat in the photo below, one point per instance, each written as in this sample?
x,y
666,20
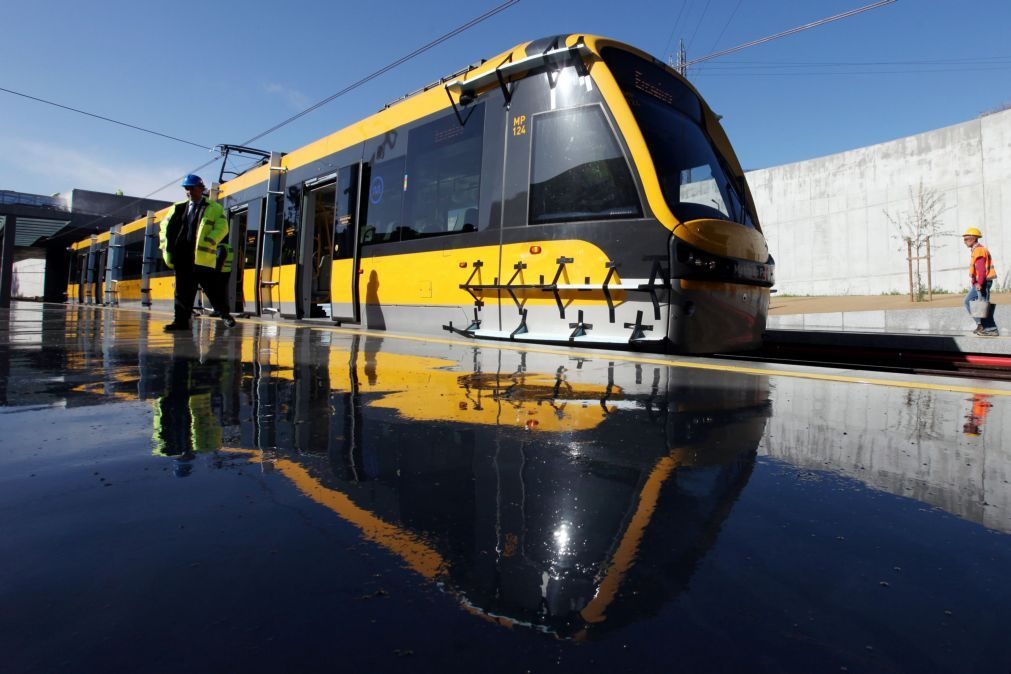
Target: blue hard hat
x,y
191,180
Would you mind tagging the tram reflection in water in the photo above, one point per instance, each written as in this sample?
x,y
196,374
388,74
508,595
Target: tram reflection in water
x,y
531,490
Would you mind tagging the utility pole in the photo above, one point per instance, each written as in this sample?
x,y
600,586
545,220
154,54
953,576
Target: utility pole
x,y
682,63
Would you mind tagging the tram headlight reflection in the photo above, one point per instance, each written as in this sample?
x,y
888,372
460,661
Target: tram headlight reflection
x,y
563,537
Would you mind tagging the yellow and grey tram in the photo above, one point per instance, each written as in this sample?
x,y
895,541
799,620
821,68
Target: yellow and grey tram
x,y
570,190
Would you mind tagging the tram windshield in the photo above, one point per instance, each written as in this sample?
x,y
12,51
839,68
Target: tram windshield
x,y
692,174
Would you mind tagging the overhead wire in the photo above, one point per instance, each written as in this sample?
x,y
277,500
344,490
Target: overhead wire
x,y
792,31
726,25
851,72
107,119
777,68
673,30
699,24
417,52
966,61
403,59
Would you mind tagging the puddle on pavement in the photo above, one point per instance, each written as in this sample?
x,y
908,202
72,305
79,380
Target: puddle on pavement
x,y
295,491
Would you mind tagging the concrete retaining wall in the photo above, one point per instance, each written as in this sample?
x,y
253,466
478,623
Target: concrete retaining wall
x,y
826,221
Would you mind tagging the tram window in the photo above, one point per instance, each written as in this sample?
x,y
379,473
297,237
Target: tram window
x,y
158,263
289,227
444,176
347,200
693,174
385,202
578,170
133,259
249,258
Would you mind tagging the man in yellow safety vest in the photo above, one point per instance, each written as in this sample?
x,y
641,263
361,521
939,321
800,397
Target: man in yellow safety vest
x,y
190,237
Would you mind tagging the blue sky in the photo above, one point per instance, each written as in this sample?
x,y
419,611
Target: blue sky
x,y
229,70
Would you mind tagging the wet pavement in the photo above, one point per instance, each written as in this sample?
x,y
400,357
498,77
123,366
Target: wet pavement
x,y
275,498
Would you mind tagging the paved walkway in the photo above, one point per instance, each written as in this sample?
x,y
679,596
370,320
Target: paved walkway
x,y
786,305
886,321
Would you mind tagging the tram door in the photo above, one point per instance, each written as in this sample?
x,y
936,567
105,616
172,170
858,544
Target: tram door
x,y
345,246
100,261
79,274
316,249
245,225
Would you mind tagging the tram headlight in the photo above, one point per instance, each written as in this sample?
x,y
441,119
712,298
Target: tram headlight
x,y
691,262
702,261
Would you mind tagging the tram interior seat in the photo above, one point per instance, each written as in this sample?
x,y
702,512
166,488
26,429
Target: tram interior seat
x,y
466,223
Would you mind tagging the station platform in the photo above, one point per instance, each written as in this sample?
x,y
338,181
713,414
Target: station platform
x,y
884,322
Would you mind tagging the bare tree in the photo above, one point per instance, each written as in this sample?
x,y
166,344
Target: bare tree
x,y
919,228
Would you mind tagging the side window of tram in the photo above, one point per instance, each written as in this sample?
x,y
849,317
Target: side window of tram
x,y
289,225
578,171
384,202
133,259
347,206
444,176
250,233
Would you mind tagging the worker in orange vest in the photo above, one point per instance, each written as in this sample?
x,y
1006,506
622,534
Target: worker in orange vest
x,y
981,277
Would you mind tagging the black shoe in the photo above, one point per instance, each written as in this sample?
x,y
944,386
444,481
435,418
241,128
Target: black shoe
x,y
176,327
228,321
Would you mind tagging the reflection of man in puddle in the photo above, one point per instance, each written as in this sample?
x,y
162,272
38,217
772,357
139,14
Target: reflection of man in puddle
x,y
974,420
184,421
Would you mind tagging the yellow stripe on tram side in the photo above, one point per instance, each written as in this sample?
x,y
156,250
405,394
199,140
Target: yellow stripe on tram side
x,y
435,277
129,227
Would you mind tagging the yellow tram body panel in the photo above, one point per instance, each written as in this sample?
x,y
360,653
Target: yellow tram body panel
x,y
435,277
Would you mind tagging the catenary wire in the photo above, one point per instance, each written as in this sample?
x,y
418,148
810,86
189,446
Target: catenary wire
x,y
404,59
726,25
674,28
908,71
107,119
961,59
699,24
417,52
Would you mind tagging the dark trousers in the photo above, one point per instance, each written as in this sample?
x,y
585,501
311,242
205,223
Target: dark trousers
x,y
188,279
